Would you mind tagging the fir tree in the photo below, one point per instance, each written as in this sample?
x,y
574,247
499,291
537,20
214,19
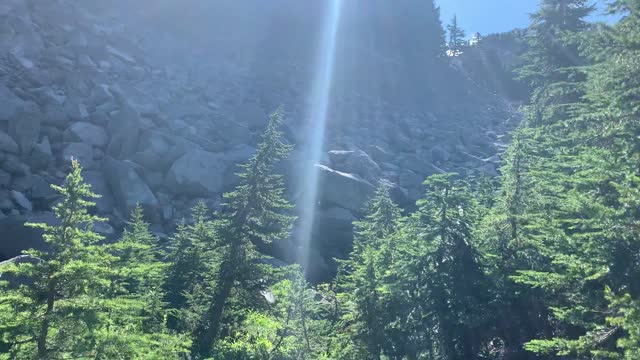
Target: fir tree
x,y
373,252
456,37
255,213
55,311
136,313
191,256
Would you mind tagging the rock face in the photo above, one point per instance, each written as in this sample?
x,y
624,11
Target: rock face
x,y
127,94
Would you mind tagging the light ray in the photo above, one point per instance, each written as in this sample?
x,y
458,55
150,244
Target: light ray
x,y
319,109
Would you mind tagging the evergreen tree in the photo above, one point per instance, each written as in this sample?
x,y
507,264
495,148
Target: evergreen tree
x,y
134,322
55,310
256,213
193,253
456,288
364,274
456,37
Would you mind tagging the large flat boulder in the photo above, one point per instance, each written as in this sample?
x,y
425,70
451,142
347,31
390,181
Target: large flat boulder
x,y
129,189
88,133
344,190
356,162
197,173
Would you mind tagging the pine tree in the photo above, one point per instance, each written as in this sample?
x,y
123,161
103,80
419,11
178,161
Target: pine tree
x,y
193,253
255,213
136,313
54,312
456,37
455,290
373,252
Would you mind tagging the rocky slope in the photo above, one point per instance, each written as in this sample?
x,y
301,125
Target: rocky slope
x,y
159,100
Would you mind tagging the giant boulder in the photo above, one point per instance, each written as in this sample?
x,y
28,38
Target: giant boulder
x,y
343,190
197,173
356,162
129,189
86,133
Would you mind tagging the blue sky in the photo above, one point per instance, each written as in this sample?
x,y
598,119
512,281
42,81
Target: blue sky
x,y
488,16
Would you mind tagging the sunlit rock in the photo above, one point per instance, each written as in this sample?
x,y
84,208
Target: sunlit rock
x,y
344,190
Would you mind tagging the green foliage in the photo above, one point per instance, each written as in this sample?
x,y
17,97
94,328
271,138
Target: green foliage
x,y
457,40
256,213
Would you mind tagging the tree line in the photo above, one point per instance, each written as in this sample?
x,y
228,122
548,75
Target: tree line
x,y
542,263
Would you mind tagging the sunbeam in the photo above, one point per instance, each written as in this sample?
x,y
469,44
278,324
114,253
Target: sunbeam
x,y
321,92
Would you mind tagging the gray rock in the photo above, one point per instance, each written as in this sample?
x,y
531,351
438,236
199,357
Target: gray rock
x,y
104,229
8,144
379,153
10,104
16,237
86,133
124,128
104,204
129,189
439,154
356,162
14,165
81,152
21,200
5,178
55,117
25,129
197,173
5,201
251,114
41,156
343,190
76,110
41,189
336,218
414,163
153,151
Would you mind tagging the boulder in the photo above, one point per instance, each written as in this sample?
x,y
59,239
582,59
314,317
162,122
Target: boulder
x,y
197,173
347,191
104,204
82,152
417,164
10,104
21,200
439,154
88,133
129,189
14,165
55,117
124,128
25,129
17,237
5,178
41,189
8,144
356,162
336,218
379,153
251,114
153,151
41,155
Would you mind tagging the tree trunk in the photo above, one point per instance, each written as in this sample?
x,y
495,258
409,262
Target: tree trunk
x,y
44,326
